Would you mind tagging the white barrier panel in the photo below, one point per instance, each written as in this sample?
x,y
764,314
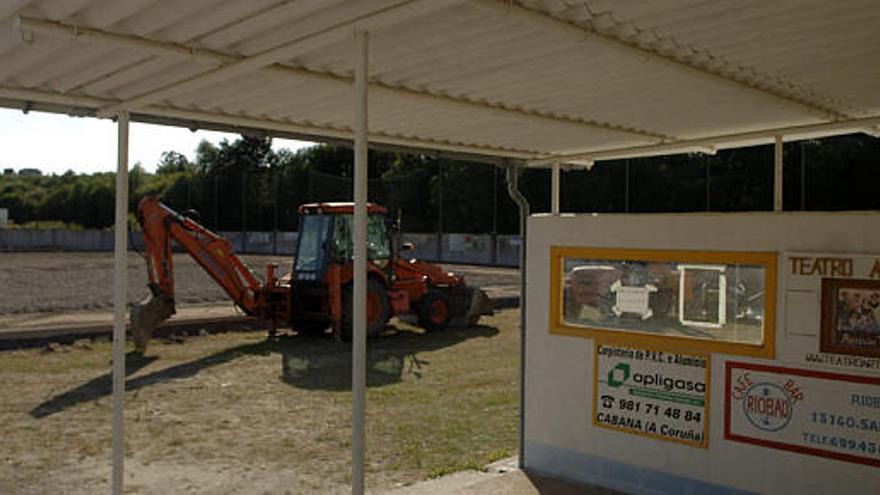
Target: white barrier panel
x,y
507,250
425,246
453,248
467,249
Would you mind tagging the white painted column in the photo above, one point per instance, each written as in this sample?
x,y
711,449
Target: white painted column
x,y
554,189
359,305
777,176
120,300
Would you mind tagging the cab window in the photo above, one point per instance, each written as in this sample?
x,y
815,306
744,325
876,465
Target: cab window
x,y
378,245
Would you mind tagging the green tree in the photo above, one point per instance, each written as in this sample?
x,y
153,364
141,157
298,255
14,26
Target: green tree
x,y
172,162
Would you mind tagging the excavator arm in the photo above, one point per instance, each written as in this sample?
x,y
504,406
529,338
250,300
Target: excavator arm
x,y
161,225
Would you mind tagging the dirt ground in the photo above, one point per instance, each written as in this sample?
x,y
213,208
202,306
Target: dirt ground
x,y
63,281
234,413
43,282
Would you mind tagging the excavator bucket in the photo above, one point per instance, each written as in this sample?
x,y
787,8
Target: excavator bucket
x,y
145,316
468,305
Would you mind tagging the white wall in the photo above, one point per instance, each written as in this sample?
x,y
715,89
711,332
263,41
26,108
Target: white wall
x,y
559,436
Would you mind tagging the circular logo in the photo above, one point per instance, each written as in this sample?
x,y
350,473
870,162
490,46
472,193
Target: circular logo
x,y
767,406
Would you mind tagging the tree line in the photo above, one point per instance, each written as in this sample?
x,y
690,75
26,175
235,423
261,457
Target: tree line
x,y
246,185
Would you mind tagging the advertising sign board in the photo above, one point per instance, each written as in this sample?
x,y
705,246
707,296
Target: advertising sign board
x,y
837,297
650,392
810,412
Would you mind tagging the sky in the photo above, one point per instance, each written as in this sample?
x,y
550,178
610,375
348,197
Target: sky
x,y
57,143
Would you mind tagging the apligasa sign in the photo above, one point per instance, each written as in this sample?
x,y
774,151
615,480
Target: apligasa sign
x,y
651,392
810,412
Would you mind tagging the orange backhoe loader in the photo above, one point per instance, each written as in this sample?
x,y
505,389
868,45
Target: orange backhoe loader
x,y
316,295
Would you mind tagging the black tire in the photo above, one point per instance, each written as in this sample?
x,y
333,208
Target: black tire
x,y
435,311
377,297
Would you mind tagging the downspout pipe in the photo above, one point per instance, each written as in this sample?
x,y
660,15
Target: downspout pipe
x,y
513,172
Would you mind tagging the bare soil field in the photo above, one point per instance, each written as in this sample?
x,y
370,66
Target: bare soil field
x,y
64,281
234,413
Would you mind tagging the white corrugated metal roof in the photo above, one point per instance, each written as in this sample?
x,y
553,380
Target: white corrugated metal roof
x,y
532,79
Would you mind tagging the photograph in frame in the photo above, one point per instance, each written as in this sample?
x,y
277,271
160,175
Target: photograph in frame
x,y
851,317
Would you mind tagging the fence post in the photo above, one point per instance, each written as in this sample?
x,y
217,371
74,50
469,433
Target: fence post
x,y
216,203
244,243
440,174
494,258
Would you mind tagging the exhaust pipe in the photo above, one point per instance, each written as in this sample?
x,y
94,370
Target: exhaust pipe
x,y
147,315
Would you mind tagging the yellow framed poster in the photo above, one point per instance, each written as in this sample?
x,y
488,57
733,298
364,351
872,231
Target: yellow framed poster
x,y
705,301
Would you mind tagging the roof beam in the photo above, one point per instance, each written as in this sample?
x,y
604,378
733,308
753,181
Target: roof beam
x,y
85,106
326,28
632,48
194,125
219,59
713,143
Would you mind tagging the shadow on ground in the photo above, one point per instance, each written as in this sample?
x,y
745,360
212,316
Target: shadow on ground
x,y
313,363
92,389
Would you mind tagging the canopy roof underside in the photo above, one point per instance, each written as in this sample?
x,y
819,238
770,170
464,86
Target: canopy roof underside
x,y
533,80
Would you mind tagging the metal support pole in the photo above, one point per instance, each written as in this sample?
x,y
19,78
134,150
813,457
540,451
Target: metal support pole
x,y
274,211
803,175
440,177
708,184
777,180
120,301
554,190
512,179
216,201
359,304
494,216
244,211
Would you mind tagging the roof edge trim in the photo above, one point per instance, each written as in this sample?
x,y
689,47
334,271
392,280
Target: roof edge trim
x,y
712,143
83,106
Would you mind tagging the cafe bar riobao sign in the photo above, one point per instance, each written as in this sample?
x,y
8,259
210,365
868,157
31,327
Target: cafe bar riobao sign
x,y
811,412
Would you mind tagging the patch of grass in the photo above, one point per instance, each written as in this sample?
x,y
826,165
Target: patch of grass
x,y
499,454
436,403
468,465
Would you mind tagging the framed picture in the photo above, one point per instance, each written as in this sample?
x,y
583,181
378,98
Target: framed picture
x,y
700,301
850,317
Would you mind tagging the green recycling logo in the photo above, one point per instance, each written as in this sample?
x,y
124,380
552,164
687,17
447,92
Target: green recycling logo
x,y
618,375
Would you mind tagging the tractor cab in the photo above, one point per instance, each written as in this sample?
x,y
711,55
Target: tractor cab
x,y
325,240
321,279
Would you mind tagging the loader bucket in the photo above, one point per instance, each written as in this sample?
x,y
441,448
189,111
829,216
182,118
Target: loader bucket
x,y
145,316
469,306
